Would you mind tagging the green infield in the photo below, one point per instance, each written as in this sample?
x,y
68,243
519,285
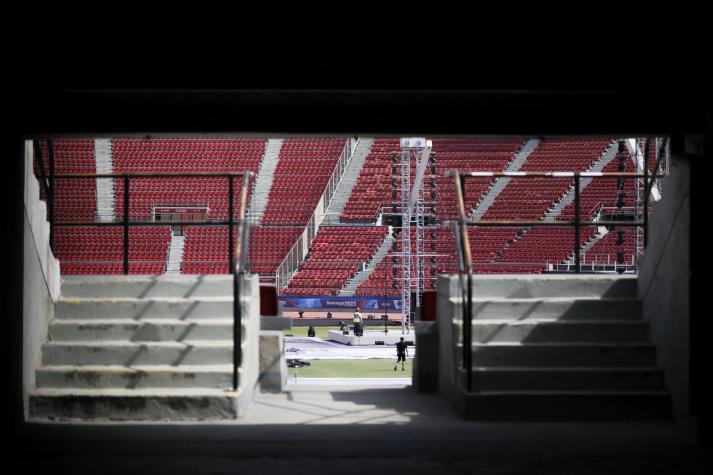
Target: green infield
x,y
371,368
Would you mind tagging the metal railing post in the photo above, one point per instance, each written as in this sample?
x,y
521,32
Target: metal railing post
x,y
231,221
237,325
577,267
467,294
126,224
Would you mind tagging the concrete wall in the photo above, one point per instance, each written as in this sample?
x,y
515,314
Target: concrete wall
x,y
41,279
449,312
273,366
250,369
425,364
664,283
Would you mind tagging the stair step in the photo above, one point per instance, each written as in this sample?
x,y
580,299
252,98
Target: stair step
x,y
133,404
528,331
558,286
566,405
135,377
567,378
140,286
556,308
139,309
563,354
125,353
143,330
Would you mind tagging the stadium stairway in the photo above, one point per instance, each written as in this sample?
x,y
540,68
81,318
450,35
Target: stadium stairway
x,y
558,348
348,180
105,186
263,181
361,276
175,254
605,159
501,183
146,348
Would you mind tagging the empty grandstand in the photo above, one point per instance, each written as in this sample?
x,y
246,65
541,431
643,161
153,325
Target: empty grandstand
x,y
358,251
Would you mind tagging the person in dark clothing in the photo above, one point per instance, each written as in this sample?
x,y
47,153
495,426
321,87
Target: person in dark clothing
x,y
401,352
300,313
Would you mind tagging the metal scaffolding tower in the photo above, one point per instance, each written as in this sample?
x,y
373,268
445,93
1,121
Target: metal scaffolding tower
x,y
405,237
412,214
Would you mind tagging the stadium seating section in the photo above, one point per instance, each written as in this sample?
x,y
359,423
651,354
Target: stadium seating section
x,y
334,257
301,175
100,250
337,253
75,199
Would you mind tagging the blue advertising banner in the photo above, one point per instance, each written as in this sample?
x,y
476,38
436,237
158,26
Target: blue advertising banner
x,y
342,302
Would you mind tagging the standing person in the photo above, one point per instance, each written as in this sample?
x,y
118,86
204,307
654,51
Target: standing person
x,y
356,320
300,313
401,352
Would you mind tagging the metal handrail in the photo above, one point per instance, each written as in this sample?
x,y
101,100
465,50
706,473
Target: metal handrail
x,y
463,244
296,253
126,223
466,284
237,255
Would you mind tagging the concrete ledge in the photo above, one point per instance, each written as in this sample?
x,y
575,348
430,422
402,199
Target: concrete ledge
x,y
133,405
147,286
556,308
567,378
129,354
135,377
560,331
136,331
564,354
593,406
542,286
134,308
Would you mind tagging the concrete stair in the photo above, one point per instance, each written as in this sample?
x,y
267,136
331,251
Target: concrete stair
x,y
136,377
145,348
361,276
348,180
567,378
561,348
105,186
556,210
175,254
501,183
263,181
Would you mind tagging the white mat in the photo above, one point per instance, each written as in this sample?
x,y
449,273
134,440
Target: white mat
x,y
318,349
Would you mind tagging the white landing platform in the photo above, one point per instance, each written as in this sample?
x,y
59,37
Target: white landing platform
x,y
372,338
